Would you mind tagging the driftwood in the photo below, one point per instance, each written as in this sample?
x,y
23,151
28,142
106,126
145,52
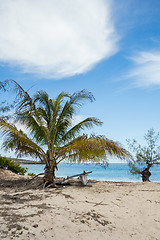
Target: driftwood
x,y
83,178
78,175
47,184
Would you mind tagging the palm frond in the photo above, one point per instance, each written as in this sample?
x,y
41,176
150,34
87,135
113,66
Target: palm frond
x,y
94,148
17,140
42,98
75,130
58,101
35,124
3,85
23,98
68,110
78,98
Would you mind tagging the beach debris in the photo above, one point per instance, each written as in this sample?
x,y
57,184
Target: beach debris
x,y
82,176
96,203
35,225
87,217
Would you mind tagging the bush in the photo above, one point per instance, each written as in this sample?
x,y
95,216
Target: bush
x,y
8,164
31,174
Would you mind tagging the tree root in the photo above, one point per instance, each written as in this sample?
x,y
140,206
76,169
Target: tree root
x,y
36,176
44,185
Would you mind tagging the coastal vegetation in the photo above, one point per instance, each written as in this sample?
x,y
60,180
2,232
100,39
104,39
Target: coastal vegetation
x,y
51,133
145,156
7,163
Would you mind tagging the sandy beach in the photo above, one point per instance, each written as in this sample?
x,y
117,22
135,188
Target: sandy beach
x,y
105,210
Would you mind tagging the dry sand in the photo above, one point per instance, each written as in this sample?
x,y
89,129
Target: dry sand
x,y
107,210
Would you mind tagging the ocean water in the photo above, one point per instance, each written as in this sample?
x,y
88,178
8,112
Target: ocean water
x,y
114,172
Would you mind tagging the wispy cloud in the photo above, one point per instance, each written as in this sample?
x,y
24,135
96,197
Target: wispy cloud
x,y
146,70
56,38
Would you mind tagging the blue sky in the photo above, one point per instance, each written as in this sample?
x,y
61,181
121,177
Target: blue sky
x,y
111,48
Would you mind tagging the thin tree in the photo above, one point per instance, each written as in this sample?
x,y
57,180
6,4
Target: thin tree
x,y
145,156
52,137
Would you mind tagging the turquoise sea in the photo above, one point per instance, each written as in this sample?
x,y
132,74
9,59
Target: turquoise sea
x,y
114,172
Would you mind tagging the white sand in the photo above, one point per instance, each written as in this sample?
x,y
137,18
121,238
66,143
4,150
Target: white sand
x,y
107,210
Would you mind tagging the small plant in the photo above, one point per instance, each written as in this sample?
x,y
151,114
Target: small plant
x,y
7,163
31,174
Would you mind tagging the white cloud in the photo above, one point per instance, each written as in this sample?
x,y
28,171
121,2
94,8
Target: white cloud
x,y
147,69
56,38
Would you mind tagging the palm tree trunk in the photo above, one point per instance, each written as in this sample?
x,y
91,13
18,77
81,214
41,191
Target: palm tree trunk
x,y
49,174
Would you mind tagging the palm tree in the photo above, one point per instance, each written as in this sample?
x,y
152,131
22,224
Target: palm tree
x,y
52,136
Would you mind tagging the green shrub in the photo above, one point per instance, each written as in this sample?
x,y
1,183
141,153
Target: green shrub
x,y
8,164
31,174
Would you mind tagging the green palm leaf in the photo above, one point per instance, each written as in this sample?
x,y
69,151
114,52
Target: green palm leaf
x,y
17,140
93,148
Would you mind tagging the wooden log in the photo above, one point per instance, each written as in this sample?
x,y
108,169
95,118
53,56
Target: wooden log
x,y
83,178
78,175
